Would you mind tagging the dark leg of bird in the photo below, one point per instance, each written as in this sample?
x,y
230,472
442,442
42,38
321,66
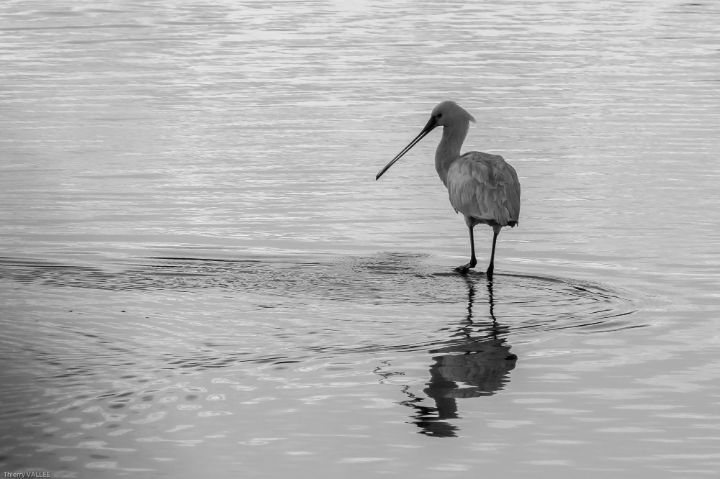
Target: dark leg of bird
x,y
473,261
496,231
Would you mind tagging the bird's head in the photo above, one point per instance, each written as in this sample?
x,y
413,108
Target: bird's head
x,y
446,114
449,113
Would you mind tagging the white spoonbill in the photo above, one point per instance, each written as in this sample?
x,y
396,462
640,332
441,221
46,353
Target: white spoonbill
x,y
481,186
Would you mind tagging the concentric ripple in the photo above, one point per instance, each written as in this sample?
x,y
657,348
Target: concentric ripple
x,y
528,302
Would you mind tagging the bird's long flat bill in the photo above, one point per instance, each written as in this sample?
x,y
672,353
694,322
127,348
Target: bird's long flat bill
x,y
432,123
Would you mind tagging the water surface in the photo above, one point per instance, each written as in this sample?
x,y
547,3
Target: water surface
x,y
199,274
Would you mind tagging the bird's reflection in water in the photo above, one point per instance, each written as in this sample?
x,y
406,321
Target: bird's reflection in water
x,y
476,362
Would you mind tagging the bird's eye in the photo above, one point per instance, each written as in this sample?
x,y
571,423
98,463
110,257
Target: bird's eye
x,y
439,115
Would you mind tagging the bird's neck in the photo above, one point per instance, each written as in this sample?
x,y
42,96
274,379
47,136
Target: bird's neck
x,y
449,148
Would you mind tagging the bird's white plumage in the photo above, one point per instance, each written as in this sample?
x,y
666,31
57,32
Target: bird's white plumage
x,y
484,188
481,186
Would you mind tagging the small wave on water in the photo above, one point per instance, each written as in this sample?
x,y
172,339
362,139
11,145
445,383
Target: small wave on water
x,y
114,344
529,302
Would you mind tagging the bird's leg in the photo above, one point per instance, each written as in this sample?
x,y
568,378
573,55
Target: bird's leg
x,y
473,261
496,232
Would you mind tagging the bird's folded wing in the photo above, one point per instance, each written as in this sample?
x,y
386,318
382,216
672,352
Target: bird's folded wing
x,y
484,187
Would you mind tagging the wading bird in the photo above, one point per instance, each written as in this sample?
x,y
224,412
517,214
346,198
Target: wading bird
x,y
481,186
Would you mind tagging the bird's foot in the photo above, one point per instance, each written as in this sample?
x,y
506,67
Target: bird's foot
x,y
489,272
464,269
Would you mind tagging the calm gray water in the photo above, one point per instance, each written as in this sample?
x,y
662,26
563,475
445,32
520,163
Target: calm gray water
x,y
200,276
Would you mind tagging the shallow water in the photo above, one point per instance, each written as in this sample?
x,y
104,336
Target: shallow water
x,y
199,274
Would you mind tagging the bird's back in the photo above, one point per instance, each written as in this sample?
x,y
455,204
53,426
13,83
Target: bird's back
x,y
484,188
